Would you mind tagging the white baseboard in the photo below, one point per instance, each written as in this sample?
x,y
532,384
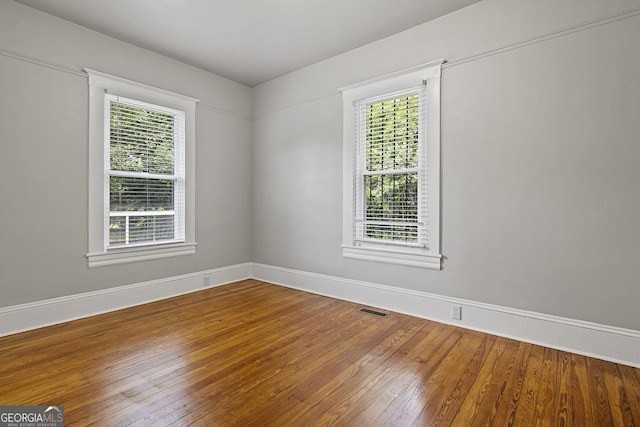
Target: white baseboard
x,y
23,317
590,339
610,343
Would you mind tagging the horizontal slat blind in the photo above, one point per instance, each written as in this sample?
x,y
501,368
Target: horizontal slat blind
x,y
390,185
146,173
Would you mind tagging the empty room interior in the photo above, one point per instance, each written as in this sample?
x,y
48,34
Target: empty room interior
x,y
351,213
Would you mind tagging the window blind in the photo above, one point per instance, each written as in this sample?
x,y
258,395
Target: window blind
x,y
146,173
390,182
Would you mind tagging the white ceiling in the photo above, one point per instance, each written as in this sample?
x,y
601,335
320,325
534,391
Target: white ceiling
x,y
249,41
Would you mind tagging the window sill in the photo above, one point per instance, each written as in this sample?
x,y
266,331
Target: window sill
x,y
140,253
394,256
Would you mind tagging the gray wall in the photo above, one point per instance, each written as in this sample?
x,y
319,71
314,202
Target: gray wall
x,y
43,165
540,126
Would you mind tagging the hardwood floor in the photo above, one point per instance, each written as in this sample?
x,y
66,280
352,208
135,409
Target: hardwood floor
x,y
255,354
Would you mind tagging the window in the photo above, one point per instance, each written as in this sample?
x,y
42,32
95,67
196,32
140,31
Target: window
x,y
146,173
392,168
388,179
141,177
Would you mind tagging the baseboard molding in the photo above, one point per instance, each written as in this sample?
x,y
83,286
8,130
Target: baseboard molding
x,y
590,339
23,317
610,343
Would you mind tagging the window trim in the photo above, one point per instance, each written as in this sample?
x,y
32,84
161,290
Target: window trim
x,y
99,254
429,257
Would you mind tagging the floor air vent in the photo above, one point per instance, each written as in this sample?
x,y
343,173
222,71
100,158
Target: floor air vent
x,y
375,313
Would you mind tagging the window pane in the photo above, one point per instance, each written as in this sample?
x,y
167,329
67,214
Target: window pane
x,y
132,228
395,233
141,140
141,210
117,230
392,134
392,198
140,194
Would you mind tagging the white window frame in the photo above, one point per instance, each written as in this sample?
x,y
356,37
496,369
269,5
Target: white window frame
x,y
99,253
429,254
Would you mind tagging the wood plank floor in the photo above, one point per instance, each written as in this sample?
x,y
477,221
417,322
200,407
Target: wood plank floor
x,y
255,354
